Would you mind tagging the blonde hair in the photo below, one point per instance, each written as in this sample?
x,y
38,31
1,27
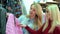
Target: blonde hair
x,y
59,17
39,14
55,16
38,20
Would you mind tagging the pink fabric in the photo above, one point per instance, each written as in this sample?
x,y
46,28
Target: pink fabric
x,y
11,27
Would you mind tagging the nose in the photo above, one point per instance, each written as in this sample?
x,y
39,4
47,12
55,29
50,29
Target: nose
x,y
31,12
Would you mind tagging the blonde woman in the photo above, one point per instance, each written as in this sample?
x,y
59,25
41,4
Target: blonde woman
x,y
57,28
52,19
36,17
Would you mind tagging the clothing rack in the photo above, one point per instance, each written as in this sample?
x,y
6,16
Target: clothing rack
x,y
2,20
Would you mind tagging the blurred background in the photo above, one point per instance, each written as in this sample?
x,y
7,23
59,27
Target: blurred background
x,y
19,7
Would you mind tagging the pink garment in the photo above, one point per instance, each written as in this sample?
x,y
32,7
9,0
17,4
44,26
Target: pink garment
x,y
12,27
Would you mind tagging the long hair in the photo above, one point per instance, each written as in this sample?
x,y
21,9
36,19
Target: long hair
x,y
38,17
53,8
59,17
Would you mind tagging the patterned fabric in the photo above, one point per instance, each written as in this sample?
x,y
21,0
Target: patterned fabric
x,y
26,21
12,25
30,22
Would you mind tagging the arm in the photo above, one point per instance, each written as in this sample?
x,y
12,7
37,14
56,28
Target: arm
x,y
30,30
27,28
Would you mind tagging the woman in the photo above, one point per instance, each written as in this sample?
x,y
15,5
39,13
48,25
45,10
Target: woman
x,y
35,18
57,28
52,20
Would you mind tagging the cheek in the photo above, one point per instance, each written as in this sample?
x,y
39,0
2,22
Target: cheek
x,y
50,14
31,13
47,15
34,13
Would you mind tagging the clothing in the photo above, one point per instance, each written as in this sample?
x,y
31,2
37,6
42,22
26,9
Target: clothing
x,y
2,19
57,30
48,27
33,31
40,30
30,22
26,21
12,25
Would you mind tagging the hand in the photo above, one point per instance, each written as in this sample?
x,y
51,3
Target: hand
x,y
22,25
7,14
50,31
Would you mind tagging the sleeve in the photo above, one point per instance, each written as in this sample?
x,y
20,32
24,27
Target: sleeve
x,y
57,30
30,30
21,18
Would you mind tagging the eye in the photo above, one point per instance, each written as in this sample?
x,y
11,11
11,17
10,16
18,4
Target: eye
x,y
30,8
33,9
46,11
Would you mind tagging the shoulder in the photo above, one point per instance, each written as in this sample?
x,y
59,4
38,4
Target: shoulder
x,y
22,18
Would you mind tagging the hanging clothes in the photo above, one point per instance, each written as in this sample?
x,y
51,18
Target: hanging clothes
x,y
2,19
12,25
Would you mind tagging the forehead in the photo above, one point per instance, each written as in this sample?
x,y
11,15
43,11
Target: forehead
x,y
33,6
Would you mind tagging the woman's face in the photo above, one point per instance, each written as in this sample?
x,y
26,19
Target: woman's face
x,y
32,11
48,14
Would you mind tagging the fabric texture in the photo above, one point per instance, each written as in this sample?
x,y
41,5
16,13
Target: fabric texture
x,y
30,22
12,25
26,21
57,30
40,30
2,19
